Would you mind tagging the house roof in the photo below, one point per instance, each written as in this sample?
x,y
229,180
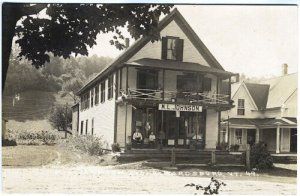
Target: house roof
x,y
259,94
177,65
259,122
281,88
140,43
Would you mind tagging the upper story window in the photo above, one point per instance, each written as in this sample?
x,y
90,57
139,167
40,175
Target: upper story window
x,y
103,91
172,48
147,79
241,107
85,101
92,97
96,94
110,87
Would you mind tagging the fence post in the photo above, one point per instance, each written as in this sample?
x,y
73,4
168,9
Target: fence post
x,y
213,158
248,157
173,157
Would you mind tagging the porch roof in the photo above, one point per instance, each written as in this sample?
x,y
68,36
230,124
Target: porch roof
x,y
177,65
257,122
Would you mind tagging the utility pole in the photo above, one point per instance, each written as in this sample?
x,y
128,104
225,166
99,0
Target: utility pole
x,y
66,119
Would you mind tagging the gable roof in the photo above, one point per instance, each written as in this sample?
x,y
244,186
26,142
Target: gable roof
x,y
259,94
140,43
281,88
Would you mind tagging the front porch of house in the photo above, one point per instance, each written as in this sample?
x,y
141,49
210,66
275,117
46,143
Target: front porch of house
x,y
178,102
279,135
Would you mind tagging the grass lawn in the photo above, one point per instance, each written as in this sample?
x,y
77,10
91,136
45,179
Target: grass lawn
x,y
24,156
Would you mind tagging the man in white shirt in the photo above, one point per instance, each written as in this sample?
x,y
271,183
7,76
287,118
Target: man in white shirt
x,y
137,136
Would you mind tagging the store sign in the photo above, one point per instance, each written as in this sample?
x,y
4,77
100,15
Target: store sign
x,y
180,107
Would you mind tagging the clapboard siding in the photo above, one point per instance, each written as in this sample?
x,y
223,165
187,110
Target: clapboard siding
x,y
103,115
153,50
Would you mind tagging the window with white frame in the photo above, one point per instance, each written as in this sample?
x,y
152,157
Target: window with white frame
x,y
86,127
241,107
238,136
97,94
92,130
92,97
110,87
103,91
223,137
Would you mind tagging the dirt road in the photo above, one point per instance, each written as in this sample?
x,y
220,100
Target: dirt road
x,y
109,179
63,175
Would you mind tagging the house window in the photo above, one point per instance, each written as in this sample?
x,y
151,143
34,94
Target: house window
x,y
103,91
81,128
206,84
147,79
241,107
97,95
172,48
92,97
92,130
81,102
86,127
238,136
110,87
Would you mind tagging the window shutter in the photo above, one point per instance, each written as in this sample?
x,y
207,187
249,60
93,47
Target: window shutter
x,y
164,46
179,49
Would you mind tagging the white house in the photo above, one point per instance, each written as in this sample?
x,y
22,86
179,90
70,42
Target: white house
x,y
174,87
264,111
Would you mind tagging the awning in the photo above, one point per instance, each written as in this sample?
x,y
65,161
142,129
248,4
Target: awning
x,y
261,123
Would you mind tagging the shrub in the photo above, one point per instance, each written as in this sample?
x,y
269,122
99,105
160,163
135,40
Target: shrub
x,y
222,146
9,142
27,137
260,158
234,147
115,147
88,144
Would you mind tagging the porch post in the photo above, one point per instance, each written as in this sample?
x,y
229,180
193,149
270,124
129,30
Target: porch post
x,y
127,80
257,135
163,85
278,139
229,90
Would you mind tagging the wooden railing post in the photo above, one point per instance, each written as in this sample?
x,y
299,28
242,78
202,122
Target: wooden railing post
x,y
213,158
248,157
173,157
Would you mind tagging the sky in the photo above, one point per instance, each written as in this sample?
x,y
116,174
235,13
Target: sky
x,y
253,40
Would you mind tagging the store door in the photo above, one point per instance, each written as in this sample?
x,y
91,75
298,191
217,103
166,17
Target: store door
x,y
293,147
175,130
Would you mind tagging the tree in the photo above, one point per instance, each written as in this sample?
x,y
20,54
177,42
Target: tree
x,y
71,28
71,87
60,118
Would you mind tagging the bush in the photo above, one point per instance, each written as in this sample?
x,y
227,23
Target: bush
x,y
222,146
260,158
26,137
88,144
115,147
234,147
9,142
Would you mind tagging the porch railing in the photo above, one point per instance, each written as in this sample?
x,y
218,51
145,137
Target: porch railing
x,y
191,97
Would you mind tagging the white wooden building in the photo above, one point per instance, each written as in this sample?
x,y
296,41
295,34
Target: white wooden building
x,y
264,111
174,85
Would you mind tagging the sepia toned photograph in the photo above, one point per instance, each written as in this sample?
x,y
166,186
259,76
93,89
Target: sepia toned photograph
x,y
193,99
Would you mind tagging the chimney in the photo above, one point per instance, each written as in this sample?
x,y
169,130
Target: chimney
x,y
126,43
284,69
